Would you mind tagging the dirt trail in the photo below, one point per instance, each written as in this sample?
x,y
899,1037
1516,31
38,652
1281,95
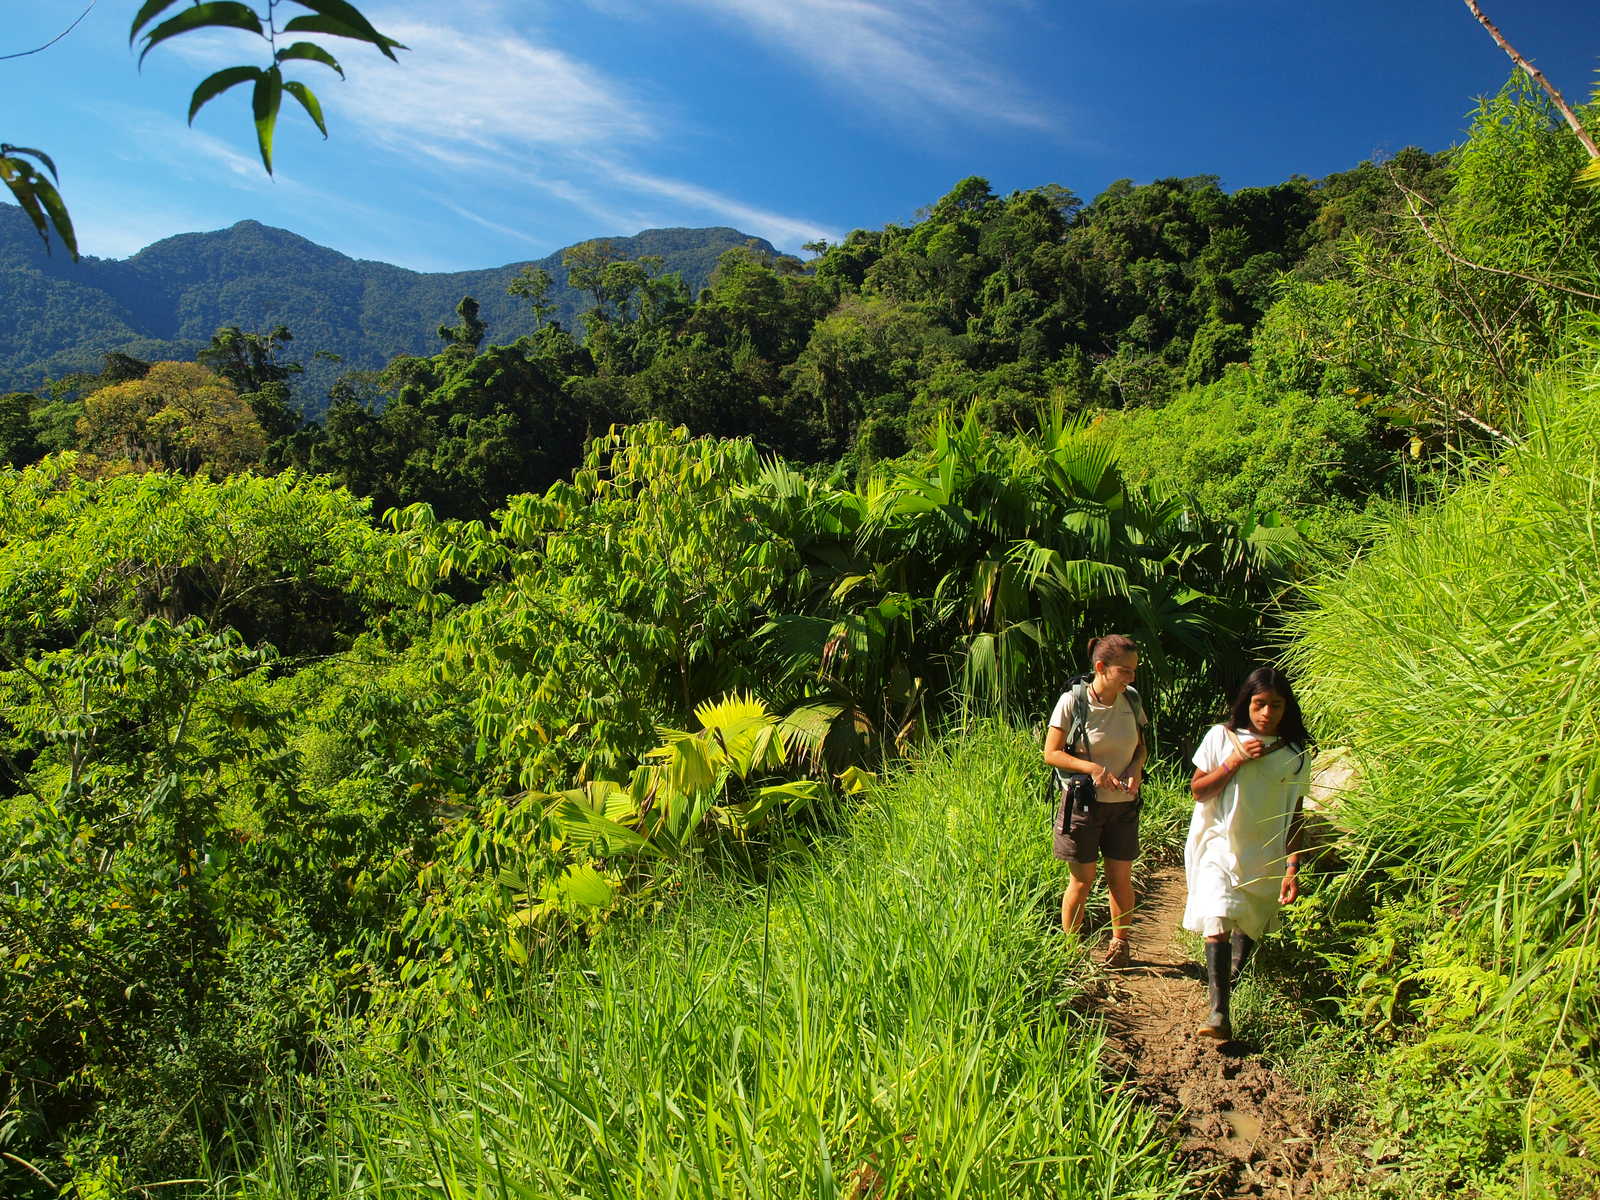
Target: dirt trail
x,y
1235,1118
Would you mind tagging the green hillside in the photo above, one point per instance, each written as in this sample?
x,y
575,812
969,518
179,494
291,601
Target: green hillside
x,y
165,302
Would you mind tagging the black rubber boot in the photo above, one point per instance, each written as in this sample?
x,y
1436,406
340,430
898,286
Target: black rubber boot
x,y
1219,966
1243,947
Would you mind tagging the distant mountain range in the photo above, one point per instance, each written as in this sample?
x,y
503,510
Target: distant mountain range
x,y
165,302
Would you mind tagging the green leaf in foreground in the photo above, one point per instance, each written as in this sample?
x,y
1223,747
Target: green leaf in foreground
x,y
215,84
264,105
310,52
308,101
147,13
342,20
37,195
220,14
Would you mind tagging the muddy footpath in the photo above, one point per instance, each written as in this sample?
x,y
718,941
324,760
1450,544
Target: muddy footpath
x,y
1242,1126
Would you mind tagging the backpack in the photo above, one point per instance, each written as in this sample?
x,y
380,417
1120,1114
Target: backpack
x,y
1078,733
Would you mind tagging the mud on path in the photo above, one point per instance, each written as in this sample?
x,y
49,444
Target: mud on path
x,y
1247,1129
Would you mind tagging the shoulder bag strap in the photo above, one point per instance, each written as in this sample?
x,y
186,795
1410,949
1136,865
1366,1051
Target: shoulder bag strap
x,y
1079,734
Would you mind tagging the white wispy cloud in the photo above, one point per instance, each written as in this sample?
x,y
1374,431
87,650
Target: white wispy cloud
x,y
467,214
918,59
498,122
158,138
775,227
490,100
486,87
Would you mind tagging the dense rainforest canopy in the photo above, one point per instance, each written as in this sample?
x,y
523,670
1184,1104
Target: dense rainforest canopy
x,y
316,732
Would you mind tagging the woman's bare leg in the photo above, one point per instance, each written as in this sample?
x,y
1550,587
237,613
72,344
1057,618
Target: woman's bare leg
x,y
1076,897
1119,882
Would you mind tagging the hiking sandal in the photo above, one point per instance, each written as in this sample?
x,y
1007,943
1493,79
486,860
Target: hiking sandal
x,y
1117,953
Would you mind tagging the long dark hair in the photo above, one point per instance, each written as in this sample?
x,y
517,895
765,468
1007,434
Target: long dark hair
x,y
1292,728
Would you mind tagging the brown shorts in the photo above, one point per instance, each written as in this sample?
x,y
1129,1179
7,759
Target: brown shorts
x,y
1104,830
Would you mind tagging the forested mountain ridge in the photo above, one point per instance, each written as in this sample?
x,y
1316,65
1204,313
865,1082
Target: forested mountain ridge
x,y
165,302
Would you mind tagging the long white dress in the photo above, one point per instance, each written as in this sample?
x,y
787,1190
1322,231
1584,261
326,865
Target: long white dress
x,y
1235,854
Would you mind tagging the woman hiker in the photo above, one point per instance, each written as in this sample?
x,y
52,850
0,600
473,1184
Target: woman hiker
x,y
1097,729
1242,855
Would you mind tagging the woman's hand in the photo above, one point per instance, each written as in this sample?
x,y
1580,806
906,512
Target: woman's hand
x,y
1132,780
1103,778
1290,891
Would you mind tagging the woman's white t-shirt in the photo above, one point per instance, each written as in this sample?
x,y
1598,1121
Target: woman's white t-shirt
x,y
1235,855
1112,731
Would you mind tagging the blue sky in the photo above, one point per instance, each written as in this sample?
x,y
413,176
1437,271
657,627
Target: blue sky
x,y
514,127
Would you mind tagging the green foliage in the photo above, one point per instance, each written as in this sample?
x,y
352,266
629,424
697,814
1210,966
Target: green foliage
x,y
279,782
121,879
36,195
978,574
516,878
628,597
464,338
186,821
834,1032
18,441
167,301
1475,821
861,362
249,361
460,431
284,559
178,416
1446,316
1239,446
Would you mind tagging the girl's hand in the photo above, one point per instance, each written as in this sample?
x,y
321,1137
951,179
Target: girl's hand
x,y
1252,747
1290,891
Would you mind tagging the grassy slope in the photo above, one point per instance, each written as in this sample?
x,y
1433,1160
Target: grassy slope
x,y
899,1014
1459,661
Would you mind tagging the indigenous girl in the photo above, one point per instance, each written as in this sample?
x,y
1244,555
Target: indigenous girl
x,y
1242,855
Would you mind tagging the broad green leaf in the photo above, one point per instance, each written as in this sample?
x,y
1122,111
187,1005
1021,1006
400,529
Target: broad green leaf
x,y
342,10
56,207
796,795
308,101
854,780
32,153
585,886
222,14
35,195
268,96
146,14
334,24
311,52
214,85
585,828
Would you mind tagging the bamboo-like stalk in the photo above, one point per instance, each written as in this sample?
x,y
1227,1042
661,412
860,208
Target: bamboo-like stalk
x,y
1538,77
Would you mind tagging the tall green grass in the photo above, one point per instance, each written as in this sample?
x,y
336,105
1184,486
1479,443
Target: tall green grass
x,y
1460,660
893,1017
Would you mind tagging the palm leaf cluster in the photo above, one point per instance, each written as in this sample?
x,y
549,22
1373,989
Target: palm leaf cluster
x,y
978,576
